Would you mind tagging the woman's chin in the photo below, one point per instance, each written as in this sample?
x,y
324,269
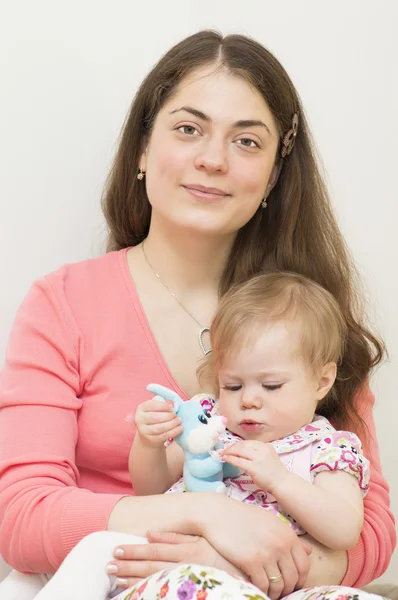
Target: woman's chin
x,y
199,225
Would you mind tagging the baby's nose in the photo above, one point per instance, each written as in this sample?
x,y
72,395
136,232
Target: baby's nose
x,y
251,400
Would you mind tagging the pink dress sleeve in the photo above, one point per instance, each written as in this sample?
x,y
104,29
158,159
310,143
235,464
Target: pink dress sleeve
x,y
43,513
371,556
341,451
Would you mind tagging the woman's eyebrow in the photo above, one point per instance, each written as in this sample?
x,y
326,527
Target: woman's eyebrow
x,y
238,124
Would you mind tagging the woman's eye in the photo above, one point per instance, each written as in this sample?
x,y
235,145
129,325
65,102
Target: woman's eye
x,y
202,419
272,387
187,129
248,143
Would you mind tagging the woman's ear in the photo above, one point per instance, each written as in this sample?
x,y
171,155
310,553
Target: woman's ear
x,y
326,380
142,162
273,178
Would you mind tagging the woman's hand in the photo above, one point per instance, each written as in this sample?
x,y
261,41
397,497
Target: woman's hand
x,y
260,545
165,551
251,538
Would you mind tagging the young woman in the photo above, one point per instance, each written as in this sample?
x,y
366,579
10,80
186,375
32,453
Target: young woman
x,y
216,172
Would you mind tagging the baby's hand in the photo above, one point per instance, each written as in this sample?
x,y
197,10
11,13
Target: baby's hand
x,y
258,459
156,422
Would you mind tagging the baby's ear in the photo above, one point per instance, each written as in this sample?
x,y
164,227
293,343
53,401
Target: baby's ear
x,y
326,380
164,393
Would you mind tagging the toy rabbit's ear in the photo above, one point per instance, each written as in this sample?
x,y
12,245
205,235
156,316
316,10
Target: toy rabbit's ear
x,y
207,401
163,393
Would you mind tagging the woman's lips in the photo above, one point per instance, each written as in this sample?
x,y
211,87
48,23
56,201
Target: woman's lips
x,y
205,193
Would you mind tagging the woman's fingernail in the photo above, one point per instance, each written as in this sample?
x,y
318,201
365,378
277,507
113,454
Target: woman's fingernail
x,y
111,569
121,582
119,552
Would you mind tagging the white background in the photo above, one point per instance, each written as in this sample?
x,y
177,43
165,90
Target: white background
x,y
70,69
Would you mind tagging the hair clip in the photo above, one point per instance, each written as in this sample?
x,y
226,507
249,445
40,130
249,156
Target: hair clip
x,y
290,137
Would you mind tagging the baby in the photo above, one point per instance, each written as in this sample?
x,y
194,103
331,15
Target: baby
x,y
276,345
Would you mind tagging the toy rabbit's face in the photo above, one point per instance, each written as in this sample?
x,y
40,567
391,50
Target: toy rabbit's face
x,y
201,429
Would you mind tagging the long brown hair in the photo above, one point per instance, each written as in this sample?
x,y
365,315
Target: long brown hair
x,y
297,232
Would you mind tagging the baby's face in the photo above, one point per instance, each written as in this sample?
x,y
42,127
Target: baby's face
x,y
266,389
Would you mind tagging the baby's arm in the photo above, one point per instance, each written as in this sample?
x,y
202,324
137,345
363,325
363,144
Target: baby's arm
x,y
330,509
153,468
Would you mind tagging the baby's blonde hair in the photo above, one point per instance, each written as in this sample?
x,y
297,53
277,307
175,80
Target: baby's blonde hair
x,y
269,298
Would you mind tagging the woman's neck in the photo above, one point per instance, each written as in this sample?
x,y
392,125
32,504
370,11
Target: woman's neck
x,y
187,262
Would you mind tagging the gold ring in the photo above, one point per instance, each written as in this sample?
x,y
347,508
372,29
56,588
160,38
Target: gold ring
x,y
276,578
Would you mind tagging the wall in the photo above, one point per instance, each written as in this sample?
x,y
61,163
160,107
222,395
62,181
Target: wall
x,y
69,71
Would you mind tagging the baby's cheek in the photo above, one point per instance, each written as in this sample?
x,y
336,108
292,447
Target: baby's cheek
x,y
222,404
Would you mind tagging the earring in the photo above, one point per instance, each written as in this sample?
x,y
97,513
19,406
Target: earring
x,y
140,174
264,203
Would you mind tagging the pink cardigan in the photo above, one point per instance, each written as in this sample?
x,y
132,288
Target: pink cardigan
x,y
78,361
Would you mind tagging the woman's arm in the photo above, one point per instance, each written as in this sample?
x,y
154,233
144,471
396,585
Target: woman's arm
x,y
371,556
43,513
154,470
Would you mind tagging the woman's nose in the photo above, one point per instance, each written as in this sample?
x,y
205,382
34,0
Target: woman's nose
x,y
212,156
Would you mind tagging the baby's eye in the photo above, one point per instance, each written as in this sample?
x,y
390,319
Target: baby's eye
x,y
202,419
272,387
232,388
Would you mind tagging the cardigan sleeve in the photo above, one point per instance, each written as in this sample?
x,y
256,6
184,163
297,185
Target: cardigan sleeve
x,y
43,512
371,556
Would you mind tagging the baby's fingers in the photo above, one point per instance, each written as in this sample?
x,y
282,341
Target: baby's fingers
x,y
168,435
240,450
157,406
236,461
165,427
156,418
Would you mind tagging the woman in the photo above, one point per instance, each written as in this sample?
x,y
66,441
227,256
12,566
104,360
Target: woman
x,y
215,180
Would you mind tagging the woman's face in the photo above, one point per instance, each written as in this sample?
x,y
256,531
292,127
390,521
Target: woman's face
x,y
210,158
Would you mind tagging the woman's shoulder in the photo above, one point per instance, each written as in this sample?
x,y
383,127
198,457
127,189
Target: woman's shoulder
x,y
82,292
93,278
98,268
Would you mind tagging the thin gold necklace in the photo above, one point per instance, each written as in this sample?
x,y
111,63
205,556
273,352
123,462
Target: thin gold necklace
x,y
202,329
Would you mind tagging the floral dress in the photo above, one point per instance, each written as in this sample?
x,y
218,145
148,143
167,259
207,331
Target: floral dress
x,y
196,582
